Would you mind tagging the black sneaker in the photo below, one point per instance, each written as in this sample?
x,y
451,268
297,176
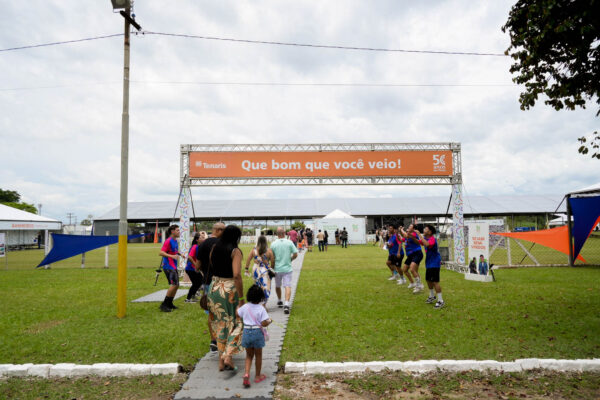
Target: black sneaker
x,y
165,308
213,346
192,300
280,304
173,306
431,300
439,304
286,309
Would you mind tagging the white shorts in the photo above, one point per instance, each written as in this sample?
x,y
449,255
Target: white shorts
x,y
283,279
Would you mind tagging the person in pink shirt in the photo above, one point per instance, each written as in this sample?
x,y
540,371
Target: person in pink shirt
x,y
293,235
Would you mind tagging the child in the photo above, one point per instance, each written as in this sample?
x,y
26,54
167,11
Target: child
x,y
255,318
433,263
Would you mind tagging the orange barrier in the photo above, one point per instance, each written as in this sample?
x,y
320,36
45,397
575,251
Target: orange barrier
x,y
555,238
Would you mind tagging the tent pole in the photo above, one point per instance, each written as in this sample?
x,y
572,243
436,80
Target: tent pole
x,y
570,229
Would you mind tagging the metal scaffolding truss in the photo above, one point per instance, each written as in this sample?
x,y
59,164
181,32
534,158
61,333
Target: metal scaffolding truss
x,y
455,178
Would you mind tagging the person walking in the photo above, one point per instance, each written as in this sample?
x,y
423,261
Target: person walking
x,y
376,237
284,253
433,264
414,256
204,268
320,240
293,236
191,270
226,293
309,239
326,240
262,256
337,237
255,320
170,256
344,238
483,265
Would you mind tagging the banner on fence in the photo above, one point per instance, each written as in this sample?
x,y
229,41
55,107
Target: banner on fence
x,y
2,245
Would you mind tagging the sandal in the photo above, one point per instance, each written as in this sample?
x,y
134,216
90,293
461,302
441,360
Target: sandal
x,y
246,381
260,378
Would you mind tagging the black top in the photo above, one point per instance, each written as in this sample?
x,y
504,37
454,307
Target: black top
x,y
203,256
222,262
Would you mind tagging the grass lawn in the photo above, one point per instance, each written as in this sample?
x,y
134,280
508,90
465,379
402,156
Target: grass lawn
x,y
346,310
439,385
69,315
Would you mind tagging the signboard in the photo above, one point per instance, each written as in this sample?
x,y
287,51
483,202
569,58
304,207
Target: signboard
x,y
2,245
478,239
324,164
30,226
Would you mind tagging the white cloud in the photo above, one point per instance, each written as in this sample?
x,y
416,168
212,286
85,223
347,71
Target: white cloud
x,y
61,147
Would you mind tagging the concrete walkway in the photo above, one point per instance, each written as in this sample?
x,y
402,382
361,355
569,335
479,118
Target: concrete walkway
x,y
207,382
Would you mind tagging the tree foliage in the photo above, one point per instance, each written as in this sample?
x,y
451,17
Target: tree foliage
x,y
298,225
555,45
9,196
22,206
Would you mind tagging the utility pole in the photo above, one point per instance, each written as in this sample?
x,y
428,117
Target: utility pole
x,y
125,10
70,216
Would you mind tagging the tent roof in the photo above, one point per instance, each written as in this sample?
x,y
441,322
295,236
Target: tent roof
x,y
338,214
309,208
15,215
588,190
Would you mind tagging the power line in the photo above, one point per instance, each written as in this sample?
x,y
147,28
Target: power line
x,y
377,49
33,46
350,84
272,84
266,42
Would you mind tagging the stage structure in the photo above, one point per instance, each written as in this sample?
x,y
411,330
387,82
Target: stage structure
x,y
324,164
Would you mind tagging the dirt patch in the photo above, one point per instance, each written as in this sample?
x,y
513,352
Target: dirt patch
x,y
43,326
440,385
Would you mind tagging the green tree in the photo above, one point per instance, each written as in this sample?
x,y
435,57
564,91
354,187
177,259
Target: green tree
x,y
298,225
9,196
22,206
555,45
87,221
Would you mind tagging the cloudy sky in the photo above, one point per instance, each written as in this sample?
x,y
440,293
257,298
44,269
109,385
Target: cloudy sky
x,y
61,106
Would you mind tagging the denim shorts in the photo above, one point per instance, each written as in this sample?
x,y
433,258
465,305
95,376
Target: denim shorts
x,y
253,339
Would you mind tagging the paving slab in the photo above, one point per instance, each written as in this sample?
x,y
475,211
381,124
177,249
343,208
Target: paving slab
x,y
158,297
207,382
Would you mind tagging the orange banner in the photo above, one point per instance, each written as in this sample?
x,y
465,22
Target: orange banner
x,y
327,164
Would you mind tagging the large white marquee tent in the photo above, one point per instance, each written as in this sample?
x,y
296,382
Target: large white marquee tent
x,y
21,227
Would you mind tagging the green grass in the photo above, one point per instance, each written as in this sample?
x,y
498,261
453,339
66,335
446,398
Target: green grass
x,y
69,315
147,387
345,310
474,384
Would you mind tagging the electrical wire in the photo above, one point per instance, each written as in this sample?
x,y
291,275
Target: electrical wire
x,y
265,42
265,84
33,46
377,49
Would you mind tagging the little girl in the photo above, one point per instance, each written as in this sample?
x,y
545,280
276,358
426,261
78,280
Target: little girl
x,y
255,318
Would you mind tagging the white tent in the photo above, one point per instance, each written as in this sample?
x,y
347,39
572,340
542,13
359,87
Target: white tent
x,y
22,227
338,220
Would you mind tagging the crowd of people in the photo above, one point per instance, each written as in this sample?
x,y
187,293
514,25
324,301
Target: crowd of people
x,y
214,265
303,238
406,245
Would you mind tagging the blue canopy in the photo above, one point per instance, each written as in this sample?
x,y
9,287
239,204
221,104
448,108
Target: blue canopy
x,y
586,214
66,246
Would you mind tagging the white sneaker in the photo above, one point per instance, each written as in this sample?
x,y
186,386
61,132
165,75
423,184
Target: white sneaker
x,y
391,278
439,304
412,285
401,281
418,289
